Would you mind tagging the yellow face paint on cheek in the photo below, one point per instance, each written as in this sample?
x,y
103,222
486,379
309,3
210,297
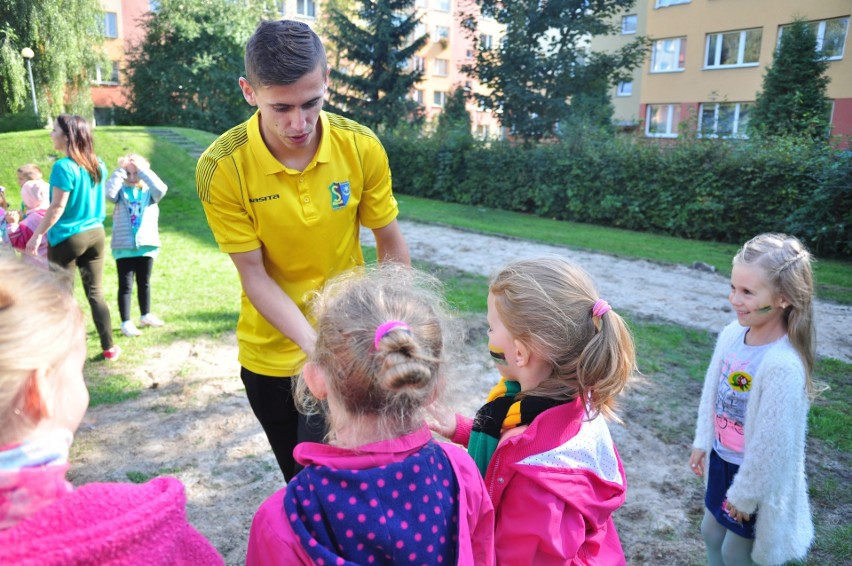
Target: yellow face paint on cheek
x,y
498,355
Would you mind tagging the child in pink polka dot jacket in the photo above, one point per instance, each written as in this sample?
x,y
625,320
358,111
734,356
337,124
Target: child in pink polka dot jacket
x,y
550,465
383,491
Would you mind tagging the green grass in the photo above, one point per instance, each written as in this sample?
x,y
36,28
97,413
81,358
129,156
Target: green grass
x,y
833,277
196,290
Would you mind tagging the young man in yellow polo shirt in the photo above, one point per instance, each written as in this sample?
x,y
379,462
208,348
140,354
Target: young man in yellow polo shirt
x,y
285,194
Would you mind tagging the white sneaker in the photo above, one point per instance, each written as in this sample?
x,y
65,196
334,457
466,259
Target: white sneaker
x,y
150,320
129,329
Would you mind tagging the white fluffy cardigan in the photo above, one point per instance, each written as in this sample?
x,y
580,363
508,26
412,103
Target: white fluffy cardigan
x,y
771,479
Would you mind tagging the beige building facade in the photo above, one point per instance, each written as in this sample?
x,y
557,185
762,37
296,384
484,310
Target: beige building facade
x,y
708,58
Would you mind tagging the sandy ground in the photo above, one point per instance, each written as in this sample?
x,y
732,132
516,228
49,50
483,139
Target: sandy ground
x,y
194,422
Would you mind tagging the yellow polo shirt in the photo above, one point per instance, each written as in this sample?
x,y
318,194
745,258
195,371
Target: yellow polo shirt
x,y
306,222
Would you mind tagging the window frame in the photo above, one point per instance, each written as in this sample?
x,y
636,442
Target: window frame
x,y
624,20
741,47
106,21
303,8
671,127
820,33
443,5
443,96
667,3
738,131
441,33
621,91
681,54
441,62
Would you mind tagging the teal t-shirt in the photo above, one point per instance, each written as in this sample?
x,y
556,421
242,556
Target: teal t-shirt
x,y
85,209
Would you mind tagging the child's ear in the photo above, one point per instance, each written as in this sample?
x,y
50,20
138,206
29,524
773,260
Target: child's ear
x,y
36,399
522,353
782,301
314,377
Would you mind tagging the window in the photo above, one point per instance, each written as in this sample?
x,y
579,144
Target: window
x,y
441,33
830,35
628,24
439,98
485,41
625,89
417,96
443,5
280,7
306,8
668,55
733,49
664,3
662,120
724,119
421,4
102,77
442,67
419,63
110,24
468,54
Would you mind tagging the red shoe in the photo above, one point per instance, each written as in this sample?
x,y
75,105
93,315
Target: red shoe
x,y
112,354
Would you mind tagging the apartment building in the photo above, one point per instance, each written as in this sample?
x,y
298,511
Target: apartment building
x,y
708,59
441,59
121,31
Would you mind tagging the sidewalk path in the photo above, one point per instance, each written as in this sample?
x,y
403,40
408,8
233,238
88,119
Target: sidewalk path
x,y
670,293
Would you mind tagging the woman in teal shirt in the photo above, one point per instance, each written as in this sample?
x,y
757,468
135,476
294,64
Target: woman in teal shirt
x,y
74,221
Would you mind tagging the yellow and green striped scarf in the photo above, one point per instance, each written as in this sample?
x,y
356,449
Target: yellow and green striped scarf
x,y
500,413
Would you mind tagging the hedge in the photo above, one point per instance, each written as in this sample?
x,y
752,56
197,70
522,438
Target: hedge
x,y
717,190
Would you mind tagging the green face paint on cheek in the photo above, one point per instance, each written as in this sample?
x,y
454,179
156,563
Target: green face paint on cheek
x,y
764,310
498,355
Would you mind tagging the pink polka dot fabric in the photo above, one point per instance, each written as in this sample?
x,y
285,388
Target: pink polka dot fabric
x,y
401,513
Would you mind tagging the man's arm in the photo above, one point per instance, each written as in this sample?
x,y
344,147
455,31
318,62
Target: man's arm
x,y
390,244
271,302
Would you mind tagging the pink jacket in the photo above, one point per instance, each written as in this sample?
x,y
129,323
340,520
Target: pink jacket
x,y
113,524
554,489
272,540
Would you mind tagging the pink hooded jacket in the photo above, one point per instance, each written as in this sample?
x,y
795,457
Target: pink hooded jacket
x,y
554,488
273,542
36,197
110,524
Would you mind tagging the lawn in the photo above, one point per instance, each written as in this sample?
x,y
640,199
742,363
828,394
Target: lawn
x,y
196,289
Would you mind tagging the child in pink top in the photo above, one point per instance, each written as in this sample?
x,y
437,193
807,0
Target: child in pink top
x,y
35,195
540,440
382,491
44,520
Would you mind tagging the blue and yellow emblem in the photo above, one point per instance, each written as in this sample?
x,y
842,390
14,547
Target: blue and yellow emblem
x,y
339,194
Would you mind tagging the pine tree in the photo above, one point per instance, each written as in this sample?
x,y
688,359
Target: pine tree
x,y
454,117
793,100
378,45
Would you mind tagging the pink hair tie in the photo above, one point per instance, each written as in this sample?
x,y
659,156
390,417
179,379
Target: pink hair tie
x,y
385,327
600,308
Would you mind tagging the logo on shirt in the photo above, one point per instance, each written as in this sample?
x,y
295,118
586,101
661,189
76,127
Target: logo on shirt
x,y
739,381
339,194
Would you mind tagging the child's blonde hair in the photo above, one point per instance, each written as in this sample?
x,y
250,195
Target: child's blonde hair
x,y
395,382
546,303
39,321
134,158
786,264
30,172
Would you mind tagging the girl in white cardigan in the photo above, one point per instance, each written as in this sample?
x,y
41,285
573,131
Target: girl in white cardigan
x,y
752,418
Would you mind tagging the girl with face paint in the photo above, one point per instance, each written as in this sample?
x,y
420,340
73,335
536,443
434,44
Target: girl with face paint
x,y
753,412
541,440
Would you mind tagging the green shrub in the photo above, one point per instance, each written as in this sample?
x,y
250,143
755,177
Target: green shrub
x,y
21,122
707,189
